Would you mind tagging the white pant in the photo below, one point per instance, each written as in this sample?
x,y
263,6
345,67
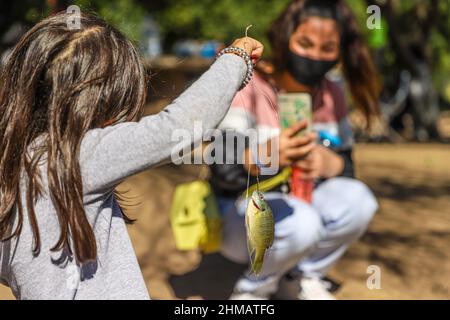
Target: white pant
x,y
310,237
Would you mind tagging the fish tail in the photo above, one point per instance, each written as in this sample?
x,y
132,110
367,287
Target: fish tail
x,y
258,261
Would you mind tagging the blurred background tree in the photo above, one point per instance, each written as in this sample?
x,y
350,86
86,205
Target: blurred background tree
x,y
418,33
15,16
126,15
222,20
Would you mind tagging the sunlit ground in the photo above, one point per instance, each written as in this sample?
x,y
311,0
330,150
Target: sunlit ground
x,y
408,239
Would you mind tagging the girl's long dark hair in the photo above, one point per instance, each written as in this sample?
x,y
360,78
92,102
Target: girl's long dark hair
x,y
59,83
358,66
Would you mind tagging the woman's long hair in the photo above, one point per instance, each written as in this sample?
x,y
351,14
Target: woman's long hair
x,y
358,66
58,83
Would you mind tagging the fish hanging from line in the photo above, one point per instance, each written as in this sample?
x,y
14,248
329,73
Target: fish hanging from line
x,y
259,221
260,227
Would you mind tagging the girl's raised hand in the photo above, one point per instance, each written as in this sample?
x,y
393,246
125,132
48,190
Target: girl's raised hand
x,y
253,47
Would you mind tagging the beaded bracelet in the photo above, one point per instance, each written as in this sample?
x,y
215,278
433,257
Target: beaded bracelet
x,y
244,55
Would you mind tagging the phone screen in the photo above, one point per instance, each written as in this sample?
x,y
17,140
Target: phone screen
x,y
294,107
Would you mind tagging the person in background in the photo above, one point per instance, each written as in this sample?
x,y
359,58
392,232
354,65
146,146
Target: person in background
x,y
308,40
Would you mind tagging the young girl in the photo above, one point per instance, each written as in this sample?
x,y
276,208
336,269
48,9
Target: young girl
x,y
308,39
69,105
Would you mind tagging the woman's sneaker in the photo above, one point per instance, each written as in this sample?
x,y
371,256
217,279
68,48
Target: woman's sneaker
x,y
246,296
314,289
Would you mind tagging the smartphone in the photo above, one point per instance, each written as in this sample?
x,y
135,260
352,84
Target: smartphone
x,y
294,107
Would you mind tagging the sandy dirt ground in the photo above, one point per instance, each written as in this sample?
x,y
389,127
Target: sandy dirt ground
x,y
408,240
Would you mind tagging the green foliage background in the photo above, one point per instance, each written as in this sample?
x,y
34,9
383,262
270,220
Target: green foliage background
x,y
126,15
225,20
219,19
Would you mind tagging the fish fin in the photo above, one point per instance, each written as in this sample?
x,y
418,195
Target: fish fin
x,y
255,259
251,250
257,262
247,226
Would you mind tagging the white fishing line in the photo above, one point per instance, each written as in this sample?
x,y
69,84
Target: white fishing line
x,y
253,109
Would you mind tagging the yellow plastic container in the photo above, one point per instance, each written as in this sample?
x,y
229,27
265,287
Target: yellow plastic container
x,y
195,217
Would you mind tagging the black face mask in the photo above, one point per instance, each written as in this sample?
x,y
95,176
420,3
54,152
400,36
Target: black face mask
x,y
308,71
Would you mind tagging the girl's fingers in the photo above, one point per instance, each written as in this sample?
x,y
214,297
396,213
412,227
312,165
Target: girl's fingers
x,y
257,52
253,47
298,141
313,136
286,162
297,153
304,164
295,128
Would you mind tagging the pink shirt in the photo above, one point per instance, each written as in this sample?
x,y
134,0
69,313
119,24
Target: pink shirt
x,y
256,106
